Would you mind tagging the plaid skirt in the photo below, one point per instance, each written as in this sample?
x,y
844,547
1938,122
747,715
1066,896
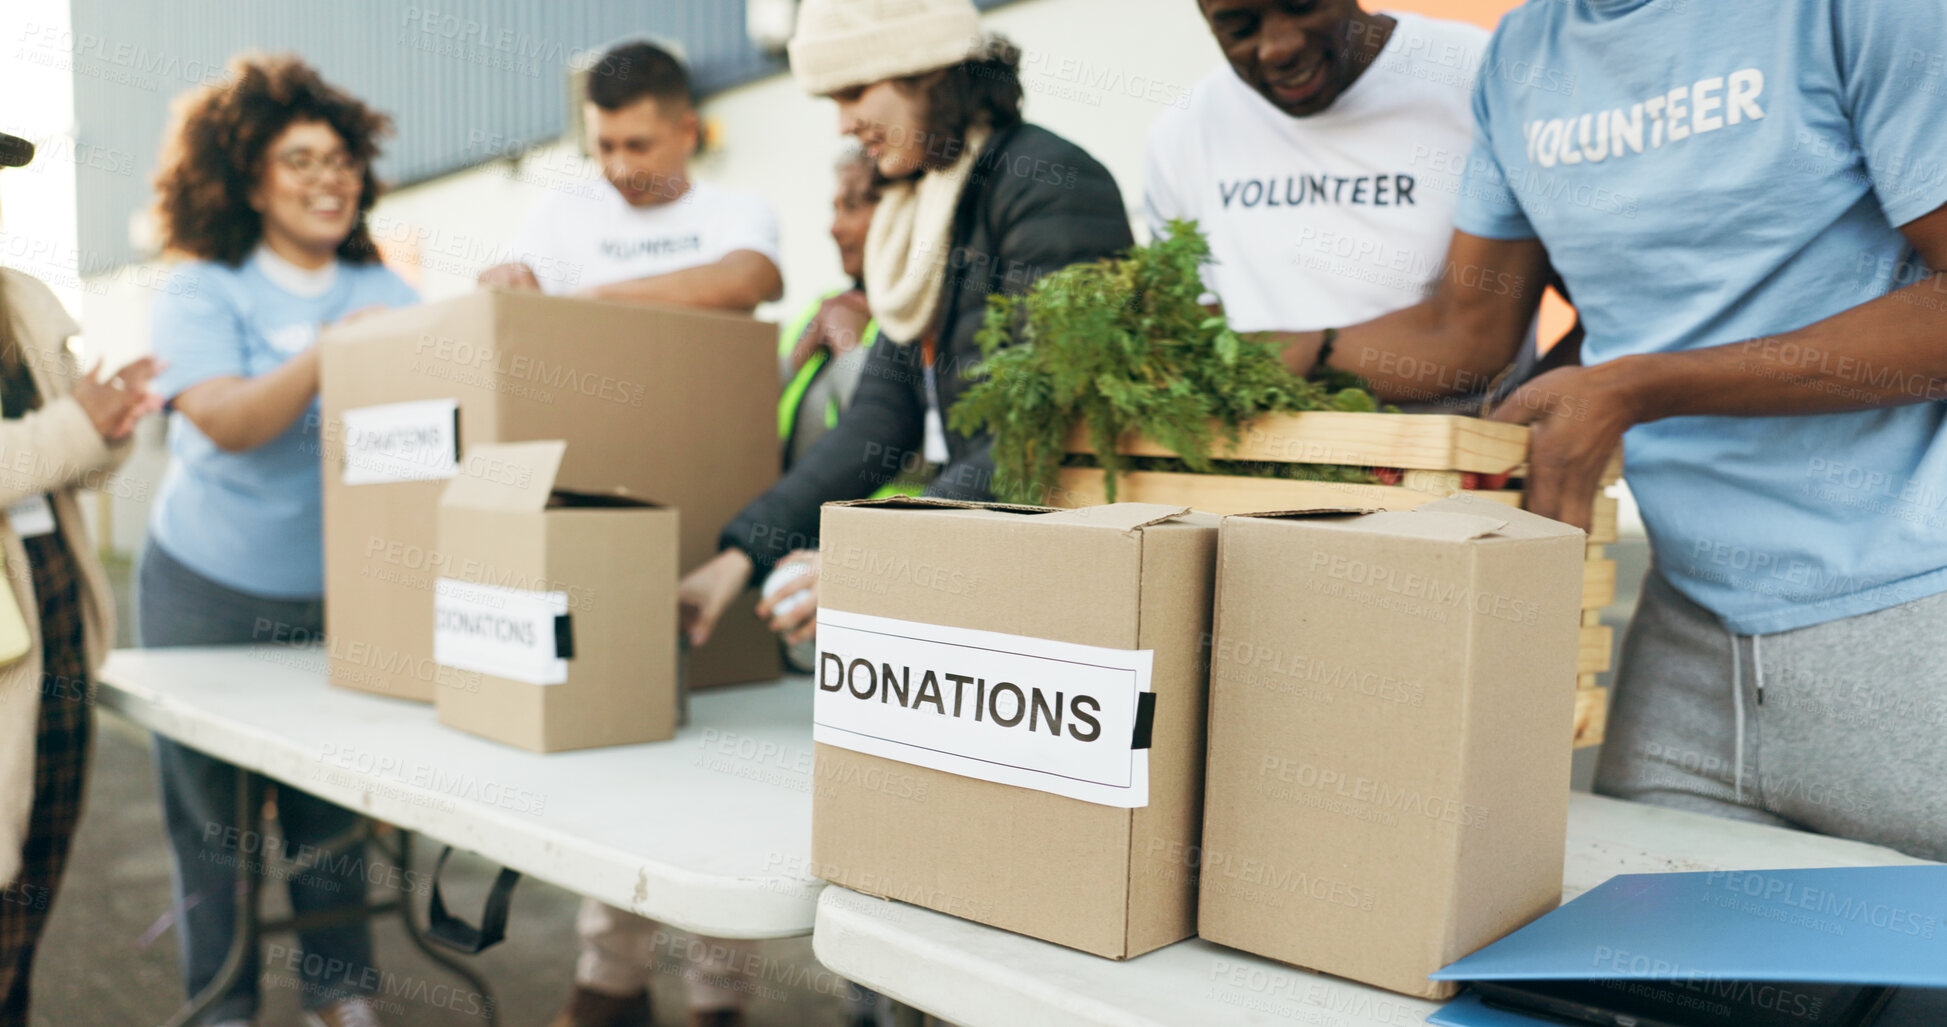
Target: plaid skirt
x,y
60,770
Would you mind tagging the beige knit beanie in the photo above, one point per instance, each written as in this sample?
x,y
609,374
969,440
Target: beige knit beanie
x,y
841,44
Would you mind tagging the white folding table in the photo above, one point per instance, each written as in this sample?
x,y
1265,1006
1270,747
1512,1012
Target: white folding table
x,y
978,976
708,832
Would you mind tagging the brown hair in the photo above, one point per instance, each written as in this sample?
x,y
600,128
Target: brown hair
x,y
216,153
984,89
639,70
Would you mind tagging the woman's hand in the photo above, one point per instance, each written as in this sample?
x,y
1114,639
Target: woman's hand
x,y
792,611
1576,417
707,591
839,326
115,406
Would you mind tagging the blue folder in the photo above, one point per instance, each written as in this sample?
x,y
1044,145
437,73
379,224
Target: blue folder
x,y
1840,925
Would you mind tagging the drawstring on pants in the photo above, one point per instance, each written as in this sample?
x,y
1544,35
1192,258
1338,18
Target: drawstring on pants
x,y
1737,712
1737,703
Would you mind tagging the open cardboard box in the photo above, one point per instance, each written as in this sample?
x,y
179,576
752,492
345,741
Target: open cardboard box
x,y
563,604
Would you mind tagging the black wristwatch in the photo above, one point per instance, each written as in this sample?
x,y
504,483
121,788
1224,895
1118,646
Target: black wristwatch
x,y
1324,351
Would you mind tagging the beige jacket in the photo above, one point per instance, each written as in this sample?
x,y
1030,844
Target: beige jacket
x,y
56,450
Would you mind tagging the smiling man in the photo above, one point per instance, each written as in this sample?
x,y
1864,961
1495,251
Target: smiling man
x,y
1319,162
656,235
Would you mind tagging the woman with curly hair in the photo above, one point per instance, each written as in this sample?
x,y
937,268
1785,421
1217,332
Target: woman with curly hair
x,y
264,185
60,431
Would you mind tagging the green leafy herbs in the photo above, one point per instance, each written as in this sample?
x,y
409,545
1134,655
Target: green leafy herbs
x,y
1123,344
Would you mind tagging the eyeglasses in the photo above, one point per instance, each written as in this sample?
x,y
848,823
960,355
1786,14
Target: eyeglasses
x,y
309,167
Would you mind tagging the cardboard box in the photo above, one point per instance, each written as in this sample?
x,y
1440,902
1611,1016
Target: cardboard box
x,y
1389,735
677,406
563,602
1002,596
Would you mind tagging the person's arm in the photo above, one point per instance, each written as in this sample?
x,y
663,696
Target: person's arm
x,y
1888,351
77,434
873,440
1454,341
740,281
240,414
1162,197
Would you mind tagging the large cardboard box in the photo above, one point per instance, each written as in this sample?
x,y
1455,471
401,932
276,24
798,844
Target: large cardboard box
x,y
986,744
1389,735
676,406
564,604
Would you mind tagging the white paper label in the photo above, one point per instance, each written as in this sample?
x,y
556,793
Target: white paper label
x,y
397,442
32,517
506,632
934,447
1051,716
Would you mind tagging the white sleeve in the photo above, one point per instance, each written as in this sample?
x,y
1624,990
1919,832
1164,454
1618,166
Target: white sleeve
x,y
753,226
537,245
1163,196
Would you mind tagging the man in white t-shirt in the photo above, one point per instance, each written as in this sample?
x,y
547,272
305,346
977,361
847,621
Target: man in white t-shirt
x,y
656,236
1324,163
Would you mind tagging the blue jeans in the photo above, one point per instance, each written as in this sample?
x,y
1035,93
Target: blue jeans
x,y
176,606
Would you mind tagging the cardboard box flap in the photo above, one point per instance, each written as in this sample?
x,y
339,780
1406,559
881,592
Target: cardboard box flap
x,y
926,502
512,477
1438,526
1124,517
421,319
1520,523
1464,523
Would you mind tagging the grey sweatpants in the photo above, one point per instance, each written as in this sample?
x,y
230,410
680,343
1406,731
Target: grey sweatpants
x,y
1836,728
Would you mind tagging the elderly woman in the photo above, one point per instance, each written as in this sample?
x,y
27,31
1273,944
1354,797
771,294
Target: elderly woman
x,y
59,431
264,185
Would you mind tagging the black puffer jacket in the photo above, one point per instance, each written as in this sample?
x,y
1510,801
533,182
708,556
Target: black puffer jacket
x,y
1034,203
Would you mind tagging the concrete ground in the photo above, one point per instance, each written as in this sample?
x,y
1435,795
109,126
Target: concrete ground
x,y
107,960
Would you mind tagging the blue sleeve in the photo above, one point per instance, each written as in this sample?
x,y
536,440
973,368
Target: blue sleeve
x,y
1895,86
1488,206
399,293
198,331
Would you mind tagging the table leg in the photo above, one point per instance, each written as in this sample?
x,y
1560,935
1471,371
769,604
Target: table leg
x,y
243,940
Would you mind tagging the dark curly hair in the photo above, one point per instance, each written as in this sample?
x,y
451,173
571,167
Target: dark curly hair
x,y
217,151
984,89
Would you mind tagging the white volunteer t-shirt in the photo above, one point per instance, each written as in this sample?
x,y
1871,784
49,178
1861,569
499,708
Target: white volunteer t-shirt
x,y
576,241
1333,219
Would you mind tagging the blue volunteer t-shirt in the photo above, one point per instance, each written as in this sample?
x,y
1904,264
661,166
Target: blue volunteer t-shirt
x,y
251,520
1723,171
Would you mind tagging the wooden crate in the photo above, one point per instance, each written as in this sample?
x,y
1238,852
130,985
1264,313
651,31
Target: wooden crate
x,y
1593,657
1433,451
1591,716
1429,442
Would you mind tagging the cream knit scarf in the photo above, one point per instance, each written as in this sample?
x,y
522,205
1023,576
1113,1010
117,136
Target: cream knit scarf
x,y
907,246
